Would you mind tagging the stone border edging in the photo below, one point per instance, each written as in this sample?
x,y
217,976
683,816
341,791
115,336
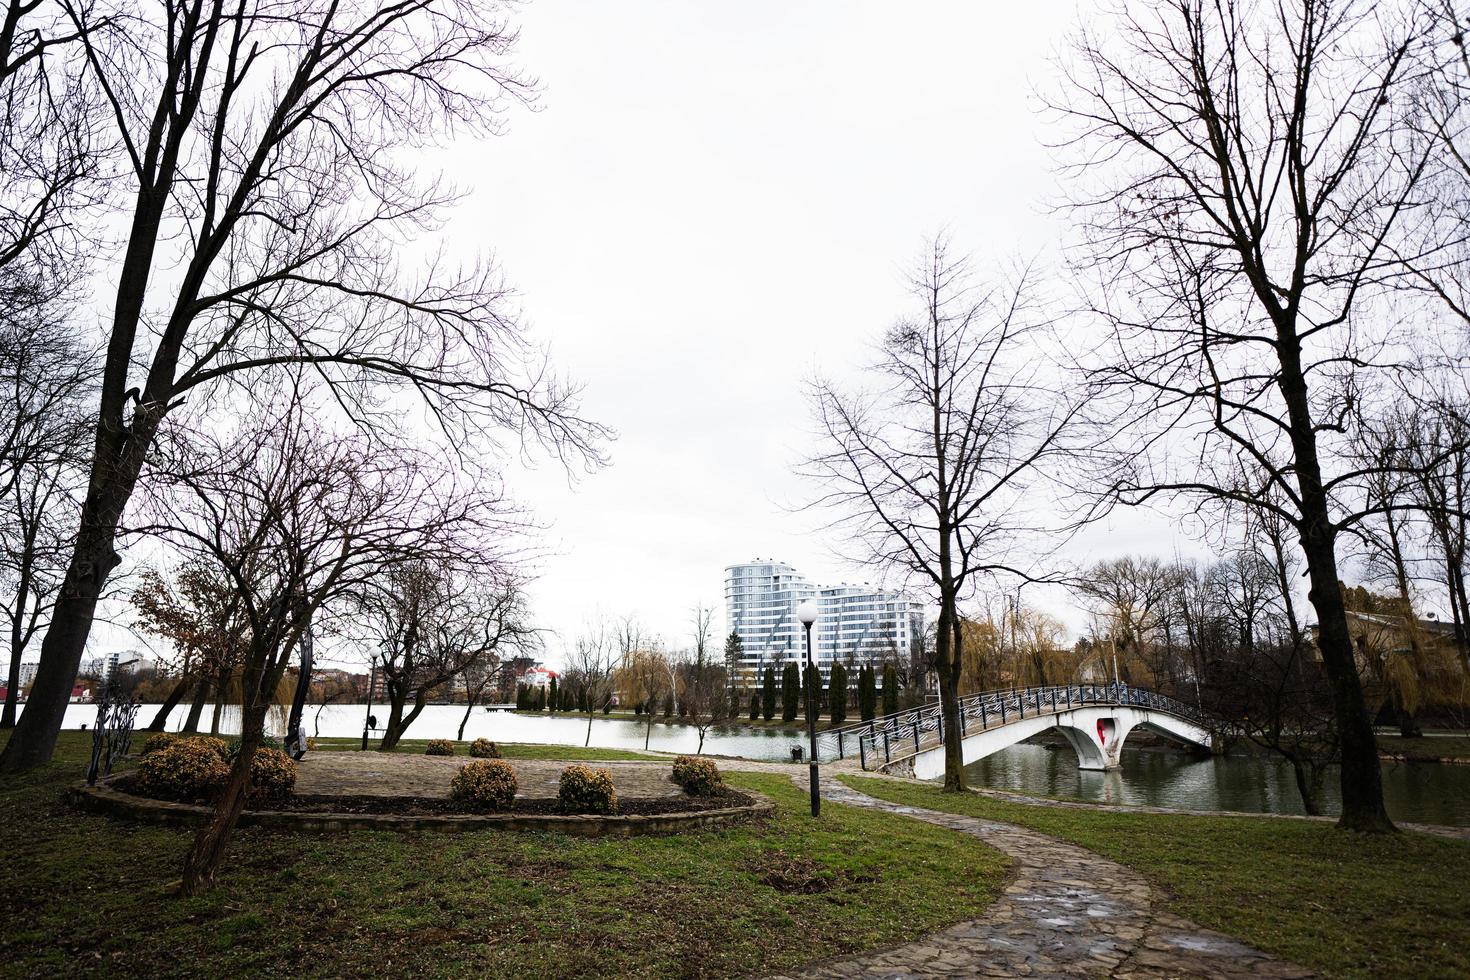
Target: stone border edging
x,y
106,800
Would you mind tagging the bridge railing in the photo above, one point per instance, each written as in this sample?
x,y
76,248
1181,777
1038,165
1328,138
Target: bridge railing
x,y
905,733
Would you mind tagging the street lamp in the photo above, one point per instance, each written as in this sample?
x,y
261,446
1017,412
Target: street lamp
x,y
807,613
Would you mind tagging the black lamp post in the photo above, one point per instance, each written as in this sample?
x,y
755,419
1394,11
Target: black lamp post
x,y
367,721
807,613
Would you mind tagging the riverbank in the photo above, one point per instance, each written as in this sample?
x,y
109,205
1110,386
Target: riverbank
x,y
88,895
1346,905
1445,749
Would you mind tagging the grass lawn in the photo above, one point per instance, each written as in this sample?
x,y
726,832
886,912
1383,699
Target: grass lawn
x,y
85,894
510,750
1347,905
1429,747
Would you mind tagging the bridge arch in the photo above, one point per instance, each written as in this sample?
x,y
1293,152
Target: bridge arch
x,y
1097,735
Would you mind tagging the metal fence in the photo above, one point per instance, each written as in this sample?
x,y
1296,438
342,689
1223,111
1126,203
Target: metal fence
x,y
882,740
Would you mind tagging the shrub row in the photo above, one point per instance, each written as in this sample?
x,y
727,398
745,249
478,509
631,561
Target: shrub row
x,y
697,776
195,770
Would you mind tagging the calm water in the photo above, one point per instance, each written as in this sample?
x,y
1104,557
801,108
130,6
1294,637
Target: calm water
x,y
442,721
1419,793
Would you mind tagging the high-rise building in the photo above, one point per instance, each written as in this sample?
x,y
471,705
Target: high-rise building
x,y
854,622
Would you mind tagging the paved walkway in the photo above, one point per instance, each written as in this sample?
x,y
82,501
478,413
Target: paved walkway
x,y
1067,912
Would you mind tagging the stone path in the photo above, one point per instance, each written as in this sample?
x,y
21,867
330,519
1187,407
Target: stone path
x,y
1066,912
401,774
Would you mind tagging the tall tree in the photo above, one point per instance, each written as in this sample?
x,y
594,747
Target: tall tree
x,y
1240,167
259,148
768,693
790,692
837,694
931,470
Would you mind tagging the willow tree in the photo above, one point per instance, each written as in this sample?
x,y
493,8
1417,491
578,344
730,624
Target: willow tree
x,y
928,470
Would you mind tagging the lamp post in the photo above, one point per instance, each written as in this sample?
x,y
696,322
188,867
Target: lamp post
x,y
807,613
367,721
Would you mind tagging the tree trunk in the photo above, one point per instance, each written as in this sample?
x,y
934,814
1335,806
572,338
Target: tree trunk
x,y
947,664
398,722
17,647
160,720
209,845
117,460
588,743
1409,724
647,730
468,707
196,709
1307,785
1362,779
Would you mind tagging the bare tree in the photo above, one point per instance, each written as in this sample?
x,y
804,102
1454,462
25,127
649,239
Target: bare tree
x,y
1239,170
259,147
593,661
929,472
298,519
439,621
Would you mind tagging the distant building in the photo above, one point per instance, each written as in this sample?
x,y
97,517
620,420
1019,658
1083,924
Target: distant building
x,y
28,674
538,676
857,623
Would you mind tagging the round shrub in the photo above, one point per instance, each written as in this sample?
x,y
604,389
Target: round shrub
x,y
189,769
586,790
485,785
483,748
697,776
213,743
272,774
439,746
157,741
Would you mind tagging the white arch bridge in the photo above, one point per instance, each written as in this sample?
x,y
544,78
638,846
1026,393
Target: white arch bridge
x,y
1095,719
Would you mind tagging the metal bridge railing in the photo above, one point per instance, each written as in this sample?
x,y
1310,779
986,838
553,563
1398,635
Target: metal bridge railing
x,y
905,733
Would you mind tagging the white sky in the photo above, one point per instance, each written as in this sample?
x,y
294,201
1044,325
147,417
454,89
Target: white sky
x,y
712,202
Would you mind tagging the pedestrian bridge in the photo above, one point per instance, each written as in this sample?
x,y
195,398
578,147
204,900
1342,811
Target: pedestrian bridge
x,y
1095,719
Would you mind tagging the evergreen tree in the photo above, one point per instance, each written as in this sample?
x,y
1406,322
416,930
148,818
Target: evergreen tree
x,y
551,697
540,699
890,689
812,693
790,692
867,693
668,706
755,706
768,694
837,694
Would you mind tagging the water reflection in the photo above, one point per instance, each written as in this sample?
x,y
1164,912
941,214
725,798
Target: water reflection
x,y
1421,793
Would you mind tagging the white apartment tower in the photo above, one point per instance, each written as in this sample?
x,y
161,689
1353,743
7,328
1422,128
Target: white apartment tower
x,y
856,622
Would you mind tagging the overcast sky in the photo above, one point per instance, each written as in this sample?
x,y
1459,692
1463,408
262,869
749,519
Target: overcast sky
x,y
711,203
714,202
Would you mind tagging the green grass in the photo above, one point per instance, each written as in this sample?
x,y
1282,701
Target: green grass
x,y
509,750
85,894
1428,748
1347,905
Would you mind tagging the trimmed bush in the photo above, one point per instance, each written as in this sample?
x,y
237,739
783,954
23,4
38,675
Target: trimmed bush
x,y
216,744
697,776
439,746
483,748
272,774
187,770
485,785
587,790
159,740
